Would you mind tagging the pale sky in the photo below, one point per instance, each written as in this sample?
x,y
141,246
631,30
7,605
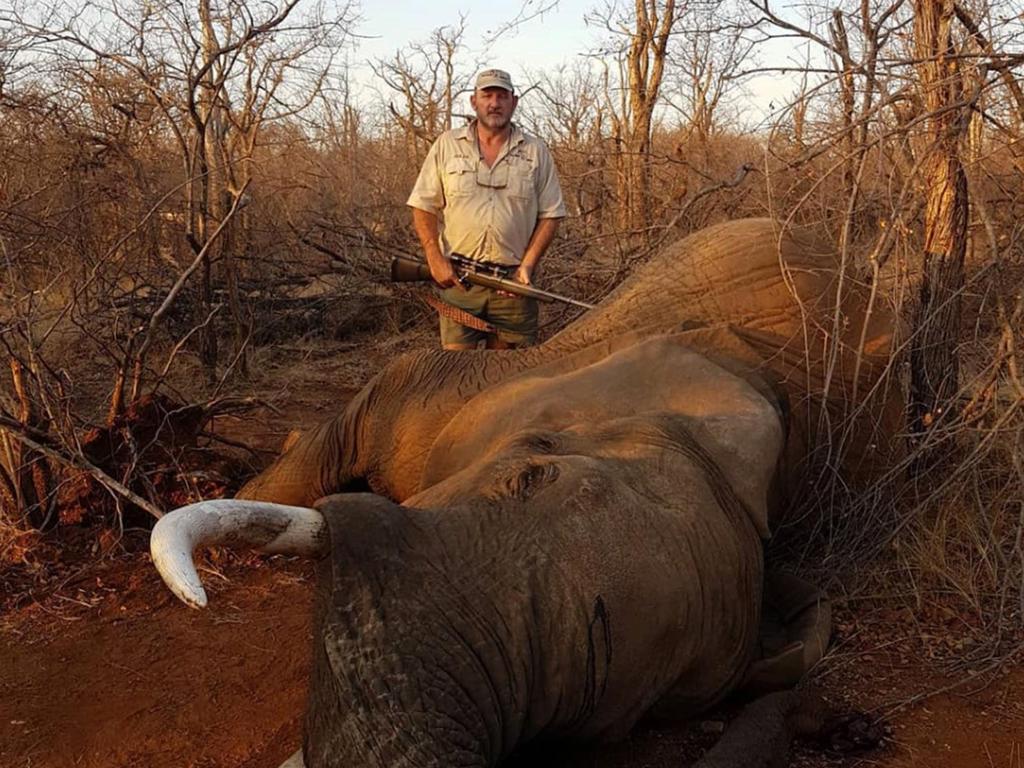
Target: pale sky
x,y
555,37
541,43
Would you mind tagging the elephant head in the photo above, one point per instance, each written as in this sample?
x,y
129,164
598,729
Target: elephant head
x,y
585,549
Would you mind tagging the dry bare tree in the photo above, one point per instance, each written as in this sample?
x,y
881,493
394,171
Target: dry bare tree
x,y
426,79
639,51
705,60
909,159
142,124
215,92
565,107
934,364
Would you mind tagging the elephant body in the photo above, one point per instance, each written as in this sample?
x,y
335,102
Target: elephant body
x,y
563,539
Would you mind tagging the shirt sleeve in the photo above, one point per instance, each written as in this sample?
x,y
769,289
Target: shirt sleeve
x,y
549,196
428,193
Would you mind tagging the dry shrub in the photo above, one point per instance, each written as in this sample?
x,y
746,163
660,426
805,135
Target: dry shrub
x,y
945,531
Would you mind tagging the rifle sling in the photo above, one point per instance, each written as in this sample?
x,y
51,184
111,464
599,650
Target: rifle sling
x,y
460,316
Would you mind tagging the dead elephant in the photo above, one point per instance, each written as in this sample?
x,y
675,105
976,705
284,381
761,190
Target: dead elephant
x,y
578,541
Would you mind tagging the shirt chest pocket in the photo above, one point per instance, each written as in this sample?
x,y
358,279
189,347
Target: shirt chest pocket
x,y
521,178
459,177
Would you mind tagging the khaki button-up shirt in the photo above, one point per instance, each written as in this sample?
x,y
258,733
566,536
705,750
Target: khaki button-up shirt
x,y
488,214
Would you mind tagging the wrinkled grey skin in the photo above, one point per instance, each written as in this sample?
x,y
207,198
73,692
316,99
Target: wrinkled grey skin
x,y
562,584
597,558
579,540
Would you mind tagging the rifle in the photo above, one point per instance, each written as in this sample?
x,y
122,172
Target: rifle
x,y
407,269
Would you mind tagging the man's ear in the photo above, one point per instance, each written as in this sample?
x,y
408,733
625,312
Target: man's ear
x,y
472,100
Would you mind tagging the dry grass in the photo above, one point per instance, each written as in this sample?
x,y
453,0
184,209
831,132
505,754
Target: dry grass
x,y
942,529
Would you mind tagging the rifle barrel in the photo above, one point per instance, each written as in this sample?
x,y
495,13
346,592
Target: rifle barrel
x,y
511,286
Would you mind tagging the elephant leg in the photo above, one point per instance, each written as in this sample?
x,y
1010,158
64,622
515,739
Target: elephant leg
x,y
796,622
761,734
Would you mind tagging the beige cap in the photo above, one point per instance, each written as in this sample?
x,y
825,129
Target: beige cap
x,y
494,78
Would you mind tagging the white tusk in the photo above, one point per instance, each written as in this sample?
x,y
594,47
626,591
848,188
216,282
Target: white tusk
x,y
267,527
295,761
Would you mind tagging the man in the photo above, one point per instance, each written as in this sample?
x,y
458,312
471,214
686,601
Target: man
x,y
498,193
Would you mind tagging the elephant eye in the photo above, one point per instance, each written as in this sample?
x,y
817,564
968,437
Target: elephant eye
x,y
526,482
538,442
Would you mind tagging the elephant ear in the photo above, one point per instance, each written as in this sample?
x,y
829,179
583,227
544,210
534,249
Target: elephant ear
x,y
746,446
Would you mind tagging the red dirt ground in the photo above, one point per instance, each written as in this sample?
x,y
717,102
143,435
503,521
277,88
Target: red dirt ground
x,y
110,670
115,672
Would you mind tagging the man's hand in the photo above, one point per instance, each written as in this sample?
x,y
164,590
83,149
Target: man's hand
x,y
524,275
521,275
441,269
443,272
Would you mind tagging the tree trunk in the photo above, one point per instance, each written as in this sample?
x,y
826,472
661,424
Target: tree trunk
x,y
847,85
645,67
30,471
933,350
210,187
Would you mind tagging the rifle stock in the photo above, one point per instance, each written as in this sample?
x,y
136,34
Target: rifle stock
x,y
405,269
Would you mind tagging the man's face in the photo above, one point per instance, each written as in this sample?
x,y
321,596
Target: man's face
x,y
494,107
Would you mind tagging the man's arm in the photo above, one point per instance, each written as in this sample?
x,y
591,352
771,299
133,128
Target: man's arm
x,y
425,224
541,238
426,200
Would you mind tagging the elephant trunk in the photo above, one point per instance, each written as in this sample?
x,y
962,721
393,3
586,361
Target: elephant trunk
x,y
415,650
270,528
318,463
761,735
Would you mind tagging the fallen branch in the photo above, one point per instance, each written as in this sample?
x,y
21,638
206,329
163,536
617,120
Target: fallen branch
x,y
40,442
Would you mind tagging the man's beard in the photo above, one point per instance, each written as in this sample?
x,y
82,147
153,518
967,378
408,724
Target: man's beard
x,y
495,122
